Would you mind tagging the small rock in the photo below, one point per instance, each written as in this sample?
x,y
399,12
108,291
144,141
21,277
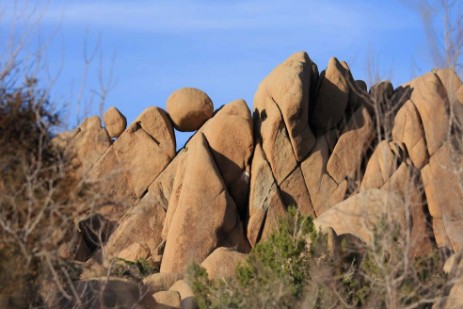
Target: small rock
x,y
189,108
115,122
167,300
134,252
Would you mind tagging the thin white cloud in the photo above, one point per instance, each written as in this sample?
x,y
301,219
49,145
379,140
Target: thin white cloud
x,y
194,16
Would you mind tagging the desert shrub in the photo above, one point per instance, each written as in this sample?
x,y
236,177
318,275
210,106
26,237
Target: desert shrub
x,y
133,269
296,267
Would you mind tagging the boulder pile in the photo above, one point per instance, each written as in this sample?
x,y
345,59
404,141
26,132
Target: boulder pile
x,y
322,142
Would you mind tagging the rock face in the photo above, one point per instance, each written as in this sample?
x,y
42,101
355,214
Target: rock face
x,y
189,108
193,234
320,142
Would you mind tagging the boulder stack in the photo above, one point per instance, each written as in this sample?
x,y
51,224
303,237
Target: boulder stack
x,y
320,142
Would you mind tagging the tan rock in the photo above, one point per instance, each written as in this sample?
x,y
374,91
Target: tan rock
x,y
90,142
144,222
157,124
230,137
205,213
222,263
264,195
408,130
449,78
444,195
186,294
134,252
161,281
189,108
132,149
351,147
167,300
405,181
271,131
288,86
358,214
430,99
115,122
332,97
176,190
381,166
294,192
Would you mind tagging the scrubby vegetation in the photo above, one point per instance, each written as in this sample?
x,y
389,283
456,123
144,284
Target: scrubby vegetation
x,y
300,267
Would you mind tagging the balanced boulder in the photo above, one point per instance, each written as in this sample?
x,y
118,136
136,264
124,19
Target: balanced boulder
x,y
189,108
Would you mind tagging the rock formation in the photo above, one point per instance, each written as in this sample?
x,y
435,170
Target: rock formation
x,y
320,142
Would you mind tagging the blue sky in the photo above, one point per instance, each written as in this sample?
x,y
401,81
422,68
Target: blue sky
x,y
222,47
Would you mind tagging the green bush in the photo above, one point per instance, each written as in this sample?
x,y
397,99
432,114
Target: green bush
x,y
298,267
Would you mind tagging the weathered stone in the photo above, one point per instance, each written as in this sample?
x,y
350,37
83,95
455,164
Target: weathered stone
x,y
444,195
351,147
205,213
140,158
222,262
157,124
186,294
134,252
90,142
323,190
167,300
408,130
361,212
270,128
189,108
161,281
175,191
264,195
230,137
115,122
381,166
332,97
405,181
430,99
288,86
294,192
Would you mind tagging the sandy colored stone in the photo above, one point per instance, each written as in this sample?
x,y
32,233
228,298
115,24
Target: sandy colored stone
x,y
189,108
271,132
332,97
90,142
323,190
408,130
222,263
167,300
140,157
134,252
444,195
351,147
430,99
186,294
157,124
294,192
381,166
358,214
264,194
205,213
230,137
405,181
115,122
288,86
144,222
161,281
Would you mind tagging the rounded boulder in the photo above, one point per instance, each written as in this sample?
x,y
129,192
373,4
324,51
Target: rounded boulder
x,y
189,108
